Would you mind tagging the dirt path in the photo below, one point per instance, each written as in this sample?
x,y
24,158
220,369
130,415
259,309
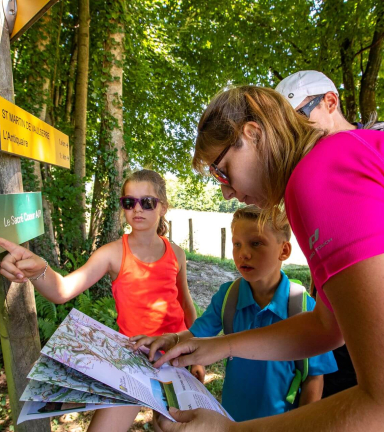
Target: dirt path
x,y
205,279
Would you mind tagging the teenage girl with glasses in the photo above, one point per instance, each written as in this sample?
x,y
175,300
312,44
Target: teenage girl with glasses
x,y
333,191
148,273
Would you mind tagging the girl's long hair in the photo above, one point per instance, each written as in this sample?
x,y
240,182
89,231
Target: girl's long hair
x,y
285,136
160,188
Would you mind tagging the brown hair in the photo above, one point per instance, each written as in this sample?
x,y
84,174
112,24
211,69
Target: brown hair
x,y
285,137
279,226
160,189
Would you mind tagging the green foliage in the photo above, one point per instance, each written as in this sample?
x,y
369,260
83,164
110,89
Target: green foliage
x,y
46,308
192,195
50,316
300,272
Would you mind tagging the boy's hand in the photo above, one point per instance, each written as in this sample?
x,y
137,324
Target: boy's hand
x,y
198,371
155,343
20,264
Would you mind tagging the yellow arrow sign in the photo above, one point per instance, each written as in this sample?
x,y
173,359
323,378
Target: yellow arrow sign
x,y
28,12
25,135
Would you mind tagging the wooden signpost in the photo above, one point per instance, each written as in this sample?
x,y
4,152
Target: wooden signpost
x,y
21,136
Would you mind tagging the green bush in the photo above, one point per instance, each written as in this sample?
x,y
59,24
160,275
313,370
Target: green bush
x,y
300,272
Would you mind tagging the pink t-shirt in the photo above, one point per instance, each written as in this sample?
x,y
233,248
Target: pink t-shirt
x,y
335,203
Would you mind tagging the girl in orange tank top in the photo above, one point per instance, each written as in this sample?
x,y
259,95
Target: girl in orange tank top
x,y
149,278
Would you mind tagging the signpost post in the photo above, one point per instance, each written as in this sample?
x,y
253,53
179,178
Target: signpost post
x,y
19,331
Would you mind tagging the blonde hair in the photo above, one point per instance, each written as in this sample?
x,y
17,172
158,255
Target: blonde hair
x,y
160,189
279,225
285,136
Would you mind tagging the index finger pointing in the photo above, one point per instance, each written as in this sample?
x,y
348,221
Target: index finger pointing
x,y
173,353
14,249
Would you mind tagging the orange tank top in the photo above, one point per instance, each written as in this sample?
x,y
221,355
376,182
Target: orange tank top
x,y
146,294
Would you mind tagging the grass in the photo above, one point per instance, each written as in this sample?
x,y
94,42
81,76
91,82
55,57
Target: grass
x,y
225,263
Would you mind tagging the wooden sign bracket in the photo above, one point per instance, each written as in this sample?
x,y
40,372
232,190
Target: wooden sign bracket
x,y
10,12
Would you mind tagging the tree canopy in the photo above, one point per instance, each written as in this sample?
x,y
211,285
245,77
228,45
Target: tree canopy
x,y
154,65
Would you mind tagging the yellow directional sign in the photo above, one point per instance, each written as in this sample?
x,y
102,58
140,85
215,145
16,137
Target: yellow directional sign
x,y
25,135
28,12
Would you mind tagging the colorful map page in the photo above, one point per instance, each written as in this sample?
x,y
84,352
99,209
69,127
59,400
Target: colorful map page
x,y
40,391
48,370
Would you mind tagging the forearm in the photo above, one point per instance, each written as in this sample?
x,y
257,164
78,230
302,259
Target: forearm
x,y
301,336
190,314
351,410
55,287
311,389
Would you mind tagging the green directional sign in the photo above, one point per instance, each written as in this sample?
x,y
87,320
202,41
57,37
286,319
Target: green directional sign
x,y
21,217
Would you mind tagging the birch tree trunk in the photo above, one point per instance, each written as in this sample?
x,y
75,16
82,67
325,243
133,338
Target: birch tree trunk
x,y
81,101
114,112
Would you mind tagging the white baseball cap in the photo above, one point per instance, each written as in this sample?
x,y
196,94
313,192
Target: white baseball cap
x,y
298,86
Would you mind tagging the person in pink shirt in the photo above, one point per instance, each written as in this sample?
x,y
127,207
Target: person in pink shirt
x,y
263,152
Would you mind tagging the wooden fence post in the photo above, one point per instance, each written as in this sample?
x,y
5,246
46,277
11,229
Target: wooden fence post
x,y
19,331
223,243
190,236
170,231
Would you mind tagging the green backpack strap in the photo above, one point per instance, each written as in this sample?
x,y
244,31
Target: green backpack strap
x,y
228,308
297,303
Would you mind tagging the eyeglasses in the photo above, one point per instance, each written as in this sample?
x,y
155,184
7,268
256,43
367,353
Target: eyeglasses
x,y
216,172
146,203
307,108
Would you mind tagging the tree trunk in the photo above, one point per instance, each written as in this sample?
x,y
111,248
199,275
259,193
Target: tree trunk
x,y
52,114
114,112
369,79
19,333
346,56
44,245
98,204
99,196
81,101
71,78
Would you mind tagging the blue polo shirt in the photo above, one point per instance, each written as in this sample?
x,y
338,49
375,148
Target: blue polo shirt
x,y
254,388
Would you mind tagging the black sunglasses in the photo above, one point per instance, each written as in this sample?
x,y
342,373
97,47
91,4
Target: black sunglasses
x,y
146,203
216,172
310,106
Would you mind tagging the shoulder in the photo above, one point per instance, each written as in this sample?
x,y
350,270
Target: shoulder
x,y
341,149
110,253
335,168
180,254
110,248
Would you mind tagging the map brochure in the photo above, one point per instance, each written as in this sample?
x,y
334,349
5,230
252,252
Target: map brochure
x,y
85,365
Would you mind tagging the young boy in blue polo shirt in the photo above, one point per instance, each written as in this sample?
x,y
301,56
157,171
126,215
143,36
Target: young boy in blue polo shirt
x,y
254,388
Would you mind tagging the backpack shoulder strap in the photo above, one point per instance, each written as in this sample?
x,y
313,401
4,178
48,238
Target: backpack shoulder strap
x,y
295,300
228,309
297,303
